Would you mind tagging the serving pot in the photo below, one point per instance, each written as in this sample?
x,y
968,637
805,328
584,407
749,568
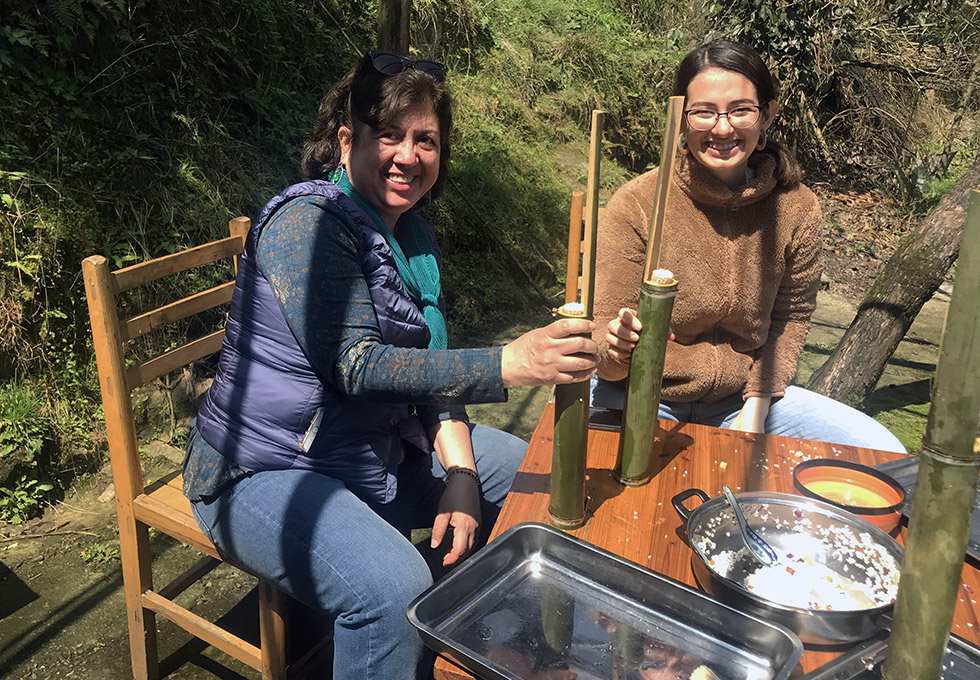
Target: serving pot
x,y
797,528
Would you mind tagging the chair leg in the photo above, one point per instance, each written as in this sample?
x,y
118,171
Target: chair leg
x,y
134,548
272,631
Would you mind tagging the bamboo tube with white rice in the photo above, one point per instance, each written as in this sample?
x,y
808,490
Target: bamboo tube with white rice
x,y
566,509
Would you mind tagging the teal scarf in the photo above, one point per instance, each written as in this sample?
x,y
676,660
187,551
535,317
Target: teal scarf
x,y
414,260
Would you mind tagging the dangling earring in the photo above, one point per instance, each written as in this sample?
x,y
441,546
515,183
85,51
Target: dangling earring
x,y
763,140
338,174
682,143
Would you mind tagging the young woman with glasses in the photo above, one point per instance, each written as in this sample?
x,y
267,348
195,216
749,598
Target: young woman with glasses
x,y
312,455
743,238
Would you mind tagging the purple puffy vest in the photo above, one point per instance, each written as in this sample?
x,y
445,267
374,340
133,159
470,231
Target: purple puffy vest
x,y
266,394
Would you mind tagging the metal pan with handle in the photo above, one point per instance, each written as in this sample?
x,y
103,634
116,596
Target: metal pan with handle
x,y
835,576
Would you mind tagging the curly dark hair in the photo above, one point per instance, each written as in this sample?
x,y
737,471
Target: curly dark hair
x,y
366,97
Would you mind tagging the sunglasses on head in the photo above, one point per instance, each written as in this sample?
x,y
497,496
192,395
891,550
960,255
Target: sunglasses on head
x,y
388,64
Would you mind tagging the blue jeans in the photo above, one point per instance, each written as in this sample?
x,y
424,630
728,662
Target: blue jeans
x,y
325,547
799,413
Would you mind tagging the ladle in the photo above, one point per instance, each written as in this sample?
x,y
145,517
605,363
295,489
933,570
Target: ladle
x,y
760,550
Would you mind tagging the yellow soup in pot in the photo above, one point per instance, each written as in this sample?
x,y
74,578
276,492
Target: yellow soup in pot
x,y
848,494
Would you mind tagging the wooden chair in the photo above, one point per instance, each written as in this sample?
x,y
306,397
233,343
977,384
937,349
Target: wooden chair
x,y
162,504
574,277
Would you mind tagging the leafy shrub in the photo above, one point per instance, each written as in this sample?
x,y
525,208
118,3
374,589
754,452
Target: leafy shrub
x,y
100,553
22,500
24,434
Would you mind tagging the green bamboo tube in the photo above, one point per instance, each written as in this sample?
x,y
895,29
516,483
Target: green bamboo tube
x,y
636,445
557,618
945,487
566,510
627,650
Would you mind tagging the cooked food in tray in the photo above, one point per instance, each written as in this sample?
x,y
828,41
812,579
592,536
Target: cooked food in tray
x,y
819,567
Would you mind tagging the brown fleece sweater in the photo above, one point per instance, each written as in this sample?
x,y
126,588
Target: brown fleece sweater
x,y
748,266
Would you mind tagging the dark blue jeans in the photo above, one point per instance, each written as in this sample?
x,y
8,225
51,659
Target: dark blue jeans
x,y
317,541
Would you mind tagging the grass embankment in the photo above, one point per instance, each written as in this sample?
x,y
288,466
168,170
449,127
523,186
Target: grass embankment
x,y
162,121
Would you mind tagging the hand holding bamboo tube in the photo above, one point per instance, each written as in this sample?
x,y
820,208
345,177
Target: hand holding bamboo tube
x,y
561,352
657,292
567,507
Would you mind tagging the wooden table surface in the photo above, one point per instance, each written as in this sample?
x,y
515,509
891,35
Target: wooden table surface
x,y
640,524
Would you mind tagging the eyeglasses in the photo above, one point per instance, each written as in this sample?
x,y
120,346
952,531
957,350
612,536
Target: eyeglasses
x,y
388,64
740,117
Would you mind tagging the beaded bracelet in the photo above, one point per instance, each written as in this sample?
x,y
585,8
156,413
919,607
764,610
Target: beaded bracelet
x,y
463,471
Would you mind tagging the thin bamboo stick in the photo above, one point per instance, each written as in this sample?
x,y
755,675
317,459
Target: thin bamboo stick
x,y
574,248
945,488
592,212
675,113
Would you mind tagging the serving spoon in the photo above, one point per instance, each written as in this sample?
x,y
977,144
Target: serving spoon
x,y
760,550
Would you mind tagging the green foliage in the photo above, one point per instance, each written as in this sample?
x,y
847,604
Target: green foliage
x,y
23,499
932,178
803,38
24,434
159,121
97,554
23,431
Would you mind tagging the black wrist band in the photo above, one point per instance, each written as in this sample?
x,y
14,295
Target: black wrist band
x,y
462,471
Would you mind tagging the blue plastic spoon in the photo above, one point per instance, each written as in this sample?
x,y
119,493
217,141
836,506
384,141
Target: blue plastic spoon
x,y
761,550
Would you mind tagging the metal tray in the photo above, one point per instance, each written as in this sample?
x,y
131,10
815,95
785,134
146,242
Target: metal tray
x,y
904,471
537,600
864,661
605,419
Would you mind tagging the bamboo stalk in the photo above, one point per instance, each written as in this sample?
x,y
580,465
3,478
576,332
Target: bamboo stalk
x,y
574,248
634,462
557,617
945,488
592,212
675,113
566,508
627,650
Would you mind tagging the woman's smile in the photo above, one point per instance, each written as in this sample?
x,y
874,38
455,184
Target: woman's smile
x,y
724,150
393,168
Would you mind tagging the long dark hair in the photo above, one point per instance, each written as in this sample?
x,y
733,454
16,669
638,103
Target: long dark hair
x,y
738,58
366,97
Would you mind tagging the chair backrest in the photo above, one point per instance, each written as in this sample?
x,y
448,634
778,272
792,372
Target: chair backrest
x,y
576,247
111,335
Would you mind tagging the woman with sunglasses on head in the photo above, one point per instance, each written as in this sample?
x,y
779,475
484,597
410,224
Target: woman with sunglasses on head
x,y
743,238
312,455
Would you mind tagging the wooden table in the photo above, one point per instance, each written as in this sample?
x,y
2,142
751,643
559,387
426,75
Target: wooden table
x,y
641,525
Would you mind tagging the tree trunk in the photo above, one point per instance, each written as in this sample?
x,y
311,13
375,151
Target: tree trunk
x,y
910,277
394,21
